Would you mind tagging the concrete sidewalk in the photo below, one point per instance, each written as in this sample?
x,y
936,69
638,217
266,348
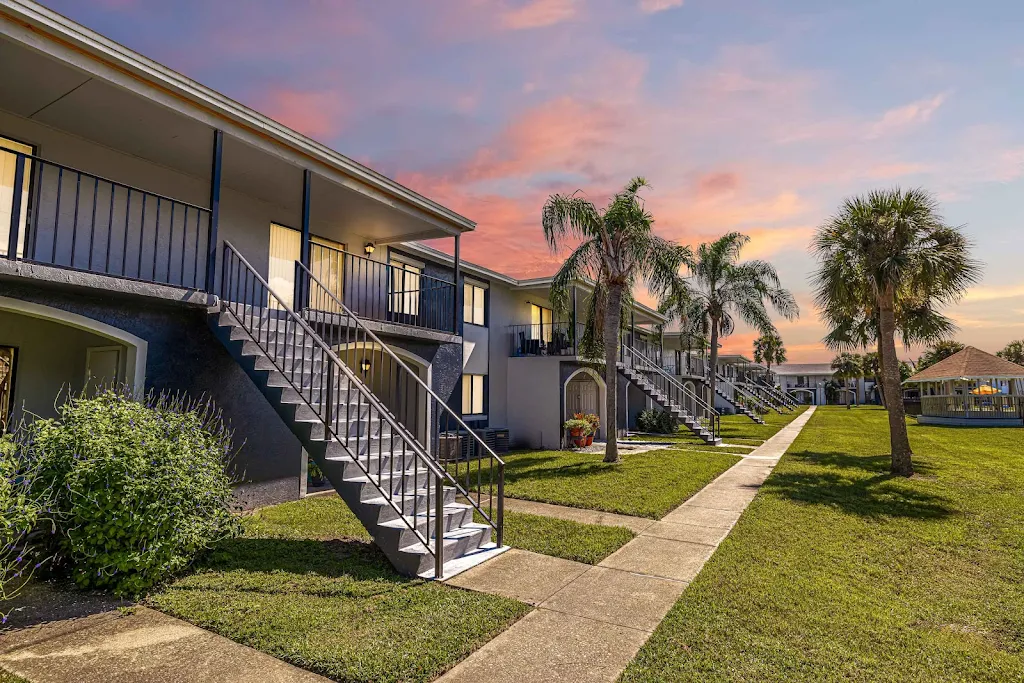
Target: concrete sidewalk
x,y
140,645
591,621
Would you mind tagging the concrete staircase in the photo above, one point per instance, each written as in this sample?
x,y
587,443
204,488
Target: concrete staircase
x,y
378,469
641,382
740,407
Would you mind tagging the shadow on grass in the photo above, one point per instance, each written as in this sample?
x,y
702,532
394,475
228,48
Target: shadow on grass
x,y
357,560
539,468
865,488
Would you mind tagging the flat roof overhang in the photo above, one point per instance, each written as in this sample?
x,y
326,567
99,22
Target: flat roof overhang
x,y
63,75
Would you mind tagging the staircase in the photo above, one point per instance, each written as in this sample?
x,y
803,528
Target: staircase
x,y
415,505
762,394
740,400
778,396
664,390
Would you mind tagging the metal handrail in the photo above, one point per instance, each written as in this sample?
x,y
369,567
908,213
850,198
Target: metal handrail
x,y
744,394
784,400
328,393
711,417
493,518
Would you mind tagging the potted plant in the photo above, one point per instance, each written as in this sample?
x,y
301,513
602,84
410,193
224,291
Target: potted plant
x,y
595,423
578,430
316,476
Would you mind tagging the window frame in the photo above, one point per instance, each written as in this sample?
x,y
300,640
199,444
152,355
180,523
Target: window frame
x,y
470,290
28,197
469,391
550,322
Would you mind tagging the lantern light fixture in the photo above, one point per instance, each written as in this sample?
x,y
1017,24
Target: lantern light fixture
x,y
369,248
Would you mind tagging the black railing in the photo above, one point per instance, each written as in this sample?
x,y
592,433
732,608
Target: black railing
x,y
740,396
465,460
381,291
64,217
339,399
677,393
685,364
545,339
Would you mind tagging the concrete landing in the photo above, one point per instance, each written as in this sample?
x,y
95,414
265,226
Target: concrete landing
x,y
591,621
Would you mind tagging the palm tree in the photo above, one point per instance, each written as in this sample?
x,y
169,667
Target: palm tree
x,y
617,249
1013,352
940,350
847,366
768,349
719,289
880,257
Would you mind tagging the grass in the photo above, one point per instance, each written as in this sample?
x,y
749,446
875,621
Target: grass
x,y
327,517
8,677
692,443
839,571
648,484
741,429
335,607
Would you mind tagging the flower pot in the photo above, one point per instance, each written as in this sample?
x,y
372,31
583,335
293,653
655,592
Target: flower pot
x,y
590,440
579,441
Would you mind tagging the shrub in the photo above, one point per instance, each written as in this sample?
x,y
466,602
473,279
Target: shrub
x,y
140,486
581,425
22,511
657,422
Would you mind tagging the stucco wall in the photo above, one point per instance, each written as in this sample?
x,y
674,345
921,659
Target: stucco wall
x,y
183,355
51,361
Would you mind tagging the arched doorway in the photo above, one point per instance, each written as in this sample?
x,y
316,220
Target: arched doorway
x,y
689,403
584,392
803,395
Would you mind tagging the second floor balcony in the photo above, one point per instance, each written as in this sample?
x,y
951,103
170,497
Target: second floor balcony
x,y
545,339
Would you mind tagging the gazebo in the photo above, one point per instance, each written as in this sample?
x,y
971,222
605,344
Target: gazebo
x,y
971,388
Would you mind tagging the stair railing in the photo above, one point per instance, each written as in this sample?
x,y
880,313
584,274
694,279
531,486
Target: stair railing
x,y
742,396
778,396
759,392
447,439
282,334
675,391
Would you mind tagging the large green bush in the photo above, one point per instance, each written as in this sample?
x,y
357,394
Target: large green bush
x,y
656,422
22,513
140,486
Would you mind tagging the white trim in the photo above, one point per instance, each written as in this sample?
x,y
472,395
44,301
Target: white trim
x,y
138,348
602,396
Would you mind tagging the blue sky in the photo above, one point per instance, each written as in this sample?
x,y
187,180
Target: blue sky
x,y
758,116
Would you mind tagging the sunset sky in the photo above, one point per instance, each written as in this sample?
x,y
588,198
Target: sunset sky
x,y
749,115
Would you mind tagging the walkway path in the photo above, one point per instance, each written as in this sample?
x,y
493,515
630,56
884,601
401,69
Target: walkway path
x,y
591,621
143,645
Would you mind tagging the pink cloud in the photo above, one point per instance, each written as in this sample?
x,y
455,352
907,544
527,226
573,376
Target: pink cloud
x,y
539,14
318,113
899,118
653,6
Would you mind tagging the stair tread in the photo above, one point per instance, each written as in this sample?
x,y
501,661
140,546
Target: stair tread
x,y
450,537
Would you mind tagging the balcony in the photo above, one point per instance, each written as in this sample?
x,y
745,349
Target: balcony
x,y
547,339
379,291
63,217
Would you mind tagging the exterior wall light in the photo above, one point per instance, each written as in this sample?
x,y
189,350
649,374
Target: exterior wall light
x,y
369,248
364,365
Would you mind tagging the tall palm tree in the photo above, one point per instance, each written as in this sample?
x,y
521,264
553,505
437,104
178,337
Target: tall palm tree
x,y
769,349
847,366
617,249
720,289
880,257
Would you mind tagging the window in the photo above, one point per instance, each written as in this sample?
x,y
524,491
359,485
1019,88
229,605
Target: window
x,y
473,394
285,250
473,304
7,165
327,263
405,288
540,322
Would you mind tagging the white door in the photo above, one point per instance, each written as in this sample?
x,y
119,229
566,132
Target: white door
x,y
102,367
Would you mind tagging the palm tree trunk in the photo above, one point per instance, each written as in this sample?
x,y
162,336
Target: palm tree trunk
x,y
899,440
846,387
878,379
713,370
612,318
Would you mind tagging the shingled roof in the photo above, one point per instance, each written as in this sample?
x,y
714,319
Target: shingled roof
x,y
970,362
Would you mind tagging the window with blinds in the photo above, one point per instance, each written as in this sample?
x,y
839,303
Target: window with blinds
x,y
7,163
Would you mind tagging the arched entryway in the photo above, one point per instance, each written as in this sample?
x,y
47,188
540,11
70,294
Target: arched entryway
x,y
689,402
803,395
584,392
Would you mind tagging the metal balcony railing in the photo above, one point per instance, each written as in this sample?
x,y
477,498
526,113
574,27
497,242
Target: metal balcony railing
x,y
61,216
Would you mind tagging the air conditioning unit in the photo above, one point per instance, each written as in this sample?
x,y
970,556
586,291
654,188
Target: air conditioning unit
x,y
496,438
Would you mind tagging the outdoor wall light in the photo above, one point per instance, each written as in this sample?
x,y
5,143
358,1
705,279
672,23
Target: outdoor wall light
x,y
364,365
369,248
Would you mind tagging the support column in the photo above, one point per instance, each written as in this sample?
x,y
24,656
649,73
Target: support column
x,y
301,290
575,328
457,299
212,239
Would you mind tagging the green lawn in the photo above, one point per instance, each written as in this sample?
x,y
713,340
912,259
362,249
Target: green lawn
x,y
690,442
305,584
8,677
840,572
327,517
741,429
648,484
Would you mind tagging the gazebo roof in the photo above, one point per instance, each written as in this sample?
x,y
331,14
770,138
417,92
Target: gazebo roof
x,y
971,363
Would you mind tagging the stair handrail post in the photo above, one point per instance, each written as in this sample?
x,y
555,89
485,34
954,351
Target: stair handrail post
x,y
501,504
439,527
